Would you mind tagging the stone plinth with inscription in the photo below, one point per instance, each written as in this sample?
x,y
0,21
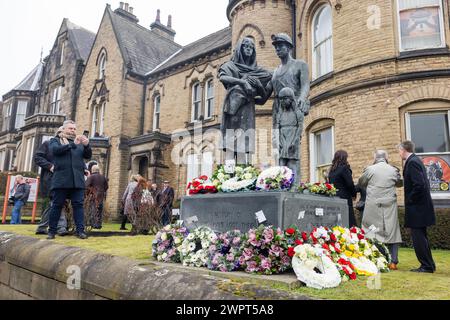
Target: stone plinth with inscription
x,y
229,211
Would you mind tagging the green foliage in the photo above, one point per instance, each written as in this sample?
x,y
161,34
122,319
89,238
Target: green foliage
x,y
439,235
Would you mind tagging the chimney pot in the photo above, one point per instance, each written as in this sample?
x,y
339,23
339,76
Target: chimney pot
x,y
131,10
158,16
169,22
121,5
126,7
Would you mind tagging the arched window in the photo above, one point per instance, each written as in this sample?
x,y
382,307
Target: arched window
x,y
196,101
102,66
209,107
157,112
322,32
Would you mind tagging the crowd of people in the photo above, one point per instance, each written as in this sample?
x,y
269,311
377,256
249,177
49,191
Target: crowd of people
x,y
378,203
146,206
66,176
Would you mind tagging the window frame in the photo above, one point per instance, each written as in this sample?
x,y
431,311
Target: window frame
x,y
98,119
442,29
7,117
210,100
312,152
61,53
55,102
23,115
316,15
102,66
408,127
156,112
199,163
195,102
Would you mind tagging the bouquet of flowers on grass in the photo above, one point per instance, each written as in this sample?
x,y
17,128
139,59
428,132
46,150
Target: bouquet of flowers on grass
x,y
167,241
325,189
225,253
244,179
194,251
201,185
275,178
264,251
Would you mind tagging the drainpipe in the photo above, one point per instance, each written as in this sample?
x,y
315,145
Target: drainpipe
x,y
294,28
144,96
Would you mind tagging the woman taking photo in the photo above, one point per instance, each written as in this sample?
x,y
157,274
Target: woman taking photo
x,y
340,176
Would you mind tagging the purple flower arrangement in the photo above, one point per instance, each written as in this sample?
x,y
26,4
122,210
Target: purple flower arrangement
x,y
275,178
264,251
225,253
167,242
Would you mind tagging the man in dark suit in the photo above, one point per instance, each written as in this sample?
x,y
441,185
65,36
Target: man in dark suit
x,y
419,209
69,152
165,201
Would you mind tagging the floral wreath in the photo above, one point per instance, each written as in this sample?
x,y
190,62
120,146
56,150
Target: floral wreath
x,y
224,254
307,259
275,178
166,243
194,251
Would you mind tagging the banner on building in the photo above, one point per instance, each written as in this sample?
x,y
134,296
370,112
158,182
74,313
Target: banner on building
x,y
33,183
438,172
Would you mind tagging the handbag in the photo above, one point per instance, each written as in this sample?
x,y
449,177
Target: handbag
x,y
11,201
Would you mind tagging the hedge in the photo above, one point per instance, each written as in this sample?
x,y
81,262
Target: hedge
x,y
439,235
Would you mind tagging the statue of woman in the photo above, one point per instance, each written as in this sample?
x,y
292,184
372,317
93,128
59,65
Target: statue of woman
x,y
244,82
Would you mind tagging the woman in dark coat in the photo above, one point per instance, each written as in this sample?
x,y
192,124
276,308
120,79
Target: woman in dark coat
x,y
340,176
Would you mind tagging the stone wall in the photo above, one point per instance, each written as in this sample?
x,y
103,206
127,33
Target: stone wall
x,y
32,269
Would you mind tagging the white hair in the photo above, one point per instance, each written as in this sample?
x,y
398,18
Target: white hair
x,y
67,122
381,154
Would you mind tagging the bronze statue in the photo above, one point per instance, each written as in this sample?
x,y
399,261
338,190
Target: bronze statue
x,y
293,74
244,82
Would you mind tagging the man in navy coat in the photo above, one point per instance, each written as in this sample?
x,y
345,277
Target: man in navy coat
x,y
419,209
69,152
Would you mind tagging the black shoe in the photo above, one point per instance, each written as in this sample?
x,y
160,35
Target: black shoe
x,y
41,233
123,229
63,234
51,236
422,270
82,236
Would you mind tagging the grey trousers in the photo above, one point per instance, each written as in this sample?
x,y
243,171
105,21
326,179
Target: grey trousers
x,y
393,250
45,219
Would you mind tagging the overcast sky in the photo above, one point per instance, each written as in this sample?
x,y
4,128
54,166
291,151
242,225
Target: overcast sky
x,y
27,26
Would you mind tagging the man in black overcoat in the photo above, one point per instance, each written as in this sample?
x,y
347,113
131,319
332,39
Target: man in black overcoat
x,y
419,209
69,152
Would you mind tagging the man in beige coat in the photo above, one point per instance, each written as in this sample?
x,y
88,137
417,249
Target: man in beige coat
x,y
381,180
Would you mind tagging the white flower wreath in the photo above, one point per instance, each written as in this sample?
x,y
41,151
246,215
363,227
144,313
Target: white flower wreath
x,y
308,258
364,266
194,249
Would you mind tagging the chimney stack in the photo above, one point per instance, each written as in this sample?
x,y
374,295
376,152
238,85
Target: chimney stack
x,y
162,30
126,11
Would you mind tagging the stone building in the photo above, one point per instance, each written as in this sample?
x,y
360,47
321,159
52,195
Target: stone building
x,y
380,74
34,109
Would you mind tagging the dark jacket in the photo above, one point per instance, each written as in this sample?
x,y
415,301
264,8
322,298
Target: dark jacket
x,y
419,209
99,183
44,159
165,198
342,179
69,164
22,192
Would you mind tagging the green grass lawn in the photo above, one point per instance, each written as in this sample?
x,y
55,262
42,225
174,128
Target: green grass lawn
x,y
401,284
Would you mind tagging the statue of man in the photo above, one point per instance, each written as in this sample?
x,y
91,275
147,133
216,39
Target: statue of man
x,y
289,126
244,82
293,74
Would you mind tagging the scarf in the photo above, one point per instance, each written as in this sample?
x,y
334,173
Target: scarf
x,y
64,138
